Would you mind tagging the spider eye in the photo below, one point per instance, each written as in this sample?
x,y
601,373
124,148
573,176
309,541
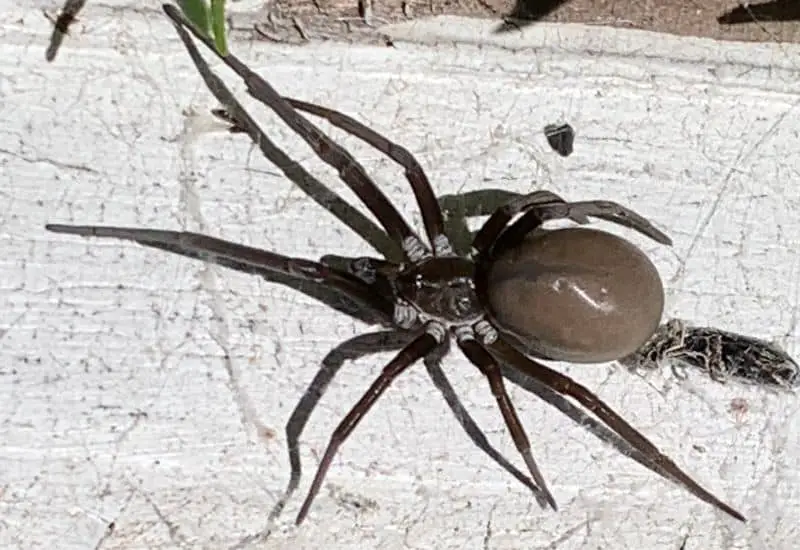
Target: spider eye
x,y
464,303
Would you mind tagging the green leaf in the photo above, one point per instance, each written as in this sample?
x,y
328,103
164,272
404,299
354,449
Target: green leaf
x,y
209,20
218,24
198,12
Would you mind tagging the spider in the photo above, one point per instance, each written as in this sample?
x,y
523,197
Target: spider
x,y
521,294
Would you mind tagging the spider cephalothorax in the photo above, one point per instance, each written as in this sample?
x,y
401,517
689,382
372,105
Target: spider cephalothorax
x,y
521,293
439,291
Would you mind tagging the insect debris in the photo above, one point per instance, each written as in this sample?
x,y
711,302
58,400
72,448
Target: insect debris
x,y
723,355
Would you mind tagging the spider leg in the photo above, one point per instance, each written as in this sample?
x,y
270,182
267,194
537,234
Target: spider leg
x,y
568,387
350,350
489,367
329,200
497,222
421,346
365,268
350,170
429,207
576,414
536,211
211,249
68,15
473,431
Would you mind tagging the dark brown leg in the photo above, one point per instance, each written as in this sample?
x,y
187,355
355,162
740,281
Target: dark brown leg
x,y
489,367
350,170
428,205
365,268
351,350
471,428
211,249
68,15
350,216
487,235
418,348
538,208
566,386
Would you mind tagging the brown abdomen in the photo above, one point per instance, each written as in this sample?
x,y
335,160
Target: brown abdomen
x,y
576,294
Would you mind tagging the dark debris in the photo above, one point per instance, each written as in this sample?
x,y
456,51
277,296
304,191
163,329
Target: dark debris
x,y
560,138
723,355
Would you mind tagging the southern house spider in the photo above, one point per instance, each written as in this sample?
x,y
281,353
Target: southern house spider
x,y
571,294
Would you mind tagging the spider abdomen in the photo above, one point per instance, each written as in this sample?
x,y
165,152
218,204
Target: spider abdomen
x,y
576,294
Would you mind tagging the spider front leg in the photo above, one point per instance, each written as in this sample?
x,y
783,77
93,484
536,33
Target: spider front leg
x,y
237,256
488,234
351,172
68,15
432,216
538,208
368,269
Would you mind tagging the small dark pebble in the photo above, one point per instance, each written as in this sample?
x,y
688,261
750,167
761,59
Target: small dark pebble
x,y
560,138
